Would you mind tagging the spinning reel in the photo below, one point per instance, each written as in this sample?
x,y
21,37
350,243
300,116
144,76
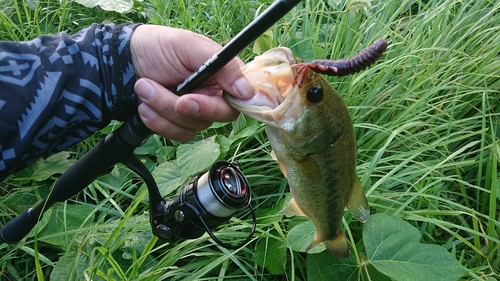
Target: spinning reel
x,y
206,202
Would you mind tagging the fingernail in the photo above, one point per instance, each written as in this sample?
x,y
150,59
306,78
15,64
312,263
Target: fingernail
x,y
145,111
144,89
243,88
188,107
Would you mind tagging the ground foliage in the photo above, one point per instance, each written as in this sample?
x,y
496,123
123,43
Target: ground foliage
x,y
427,124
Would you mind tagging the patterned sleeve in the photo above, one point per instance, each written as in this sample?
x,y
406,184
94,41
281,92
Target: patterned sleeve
x,y
57,90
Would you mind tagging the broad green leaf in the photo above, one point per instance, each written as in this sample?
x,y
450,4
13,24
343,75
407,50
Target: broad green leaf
x,y
63,223
244,127
71,266
22,200
113,125
41,224
263,42
197,157
374,274
305,49
300,237
324,266
268,216
216,125
225,145
149,147
239,124
135,244
271,254
393,247
54,164
120,6
168,177
119,176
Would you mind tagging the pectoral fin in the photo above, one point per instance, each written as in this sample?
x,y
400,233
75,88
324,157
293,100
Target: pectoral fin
x,y
291,209
338,247
282,166
357,204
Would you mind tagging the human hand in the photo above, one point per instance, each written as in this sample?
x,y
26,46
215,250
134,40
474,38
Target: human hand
x,y
164,57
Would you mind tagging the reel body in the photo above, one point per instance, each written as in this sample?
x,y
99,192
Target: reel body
x,y
203,204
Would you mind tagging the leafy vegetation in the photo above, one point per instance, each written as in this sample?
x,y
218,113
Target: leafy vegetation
x,y
427,122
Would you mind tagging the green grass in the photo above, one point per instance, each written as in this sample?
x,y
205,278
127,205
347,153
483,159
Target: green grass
x,y
427,124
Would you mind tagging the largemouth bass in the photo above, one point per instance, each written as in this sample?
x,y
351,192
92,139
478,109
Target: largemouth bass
x,y
312,136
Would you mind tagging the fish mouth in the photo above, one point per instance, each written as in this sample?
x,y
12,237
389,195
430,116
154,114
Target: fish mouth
x,y
272,76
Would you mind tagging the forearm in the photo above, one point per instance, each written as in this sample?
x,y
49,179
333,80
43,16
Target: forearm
x,y
57,90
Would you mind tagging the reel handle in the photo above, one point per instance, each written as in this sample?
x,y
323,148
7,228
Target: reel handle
x,y
16,229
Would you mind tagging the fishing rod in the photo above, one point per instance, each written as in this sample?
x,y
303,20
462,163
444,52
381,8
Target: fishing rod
x,y
204,203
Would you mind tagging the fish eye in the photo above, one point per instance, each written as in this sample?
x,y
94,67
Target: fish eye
x,y
315,94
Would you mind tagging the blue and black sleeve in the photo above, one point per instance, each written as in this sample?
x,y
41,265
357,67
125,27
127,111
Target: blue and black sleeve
x,y
57,90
